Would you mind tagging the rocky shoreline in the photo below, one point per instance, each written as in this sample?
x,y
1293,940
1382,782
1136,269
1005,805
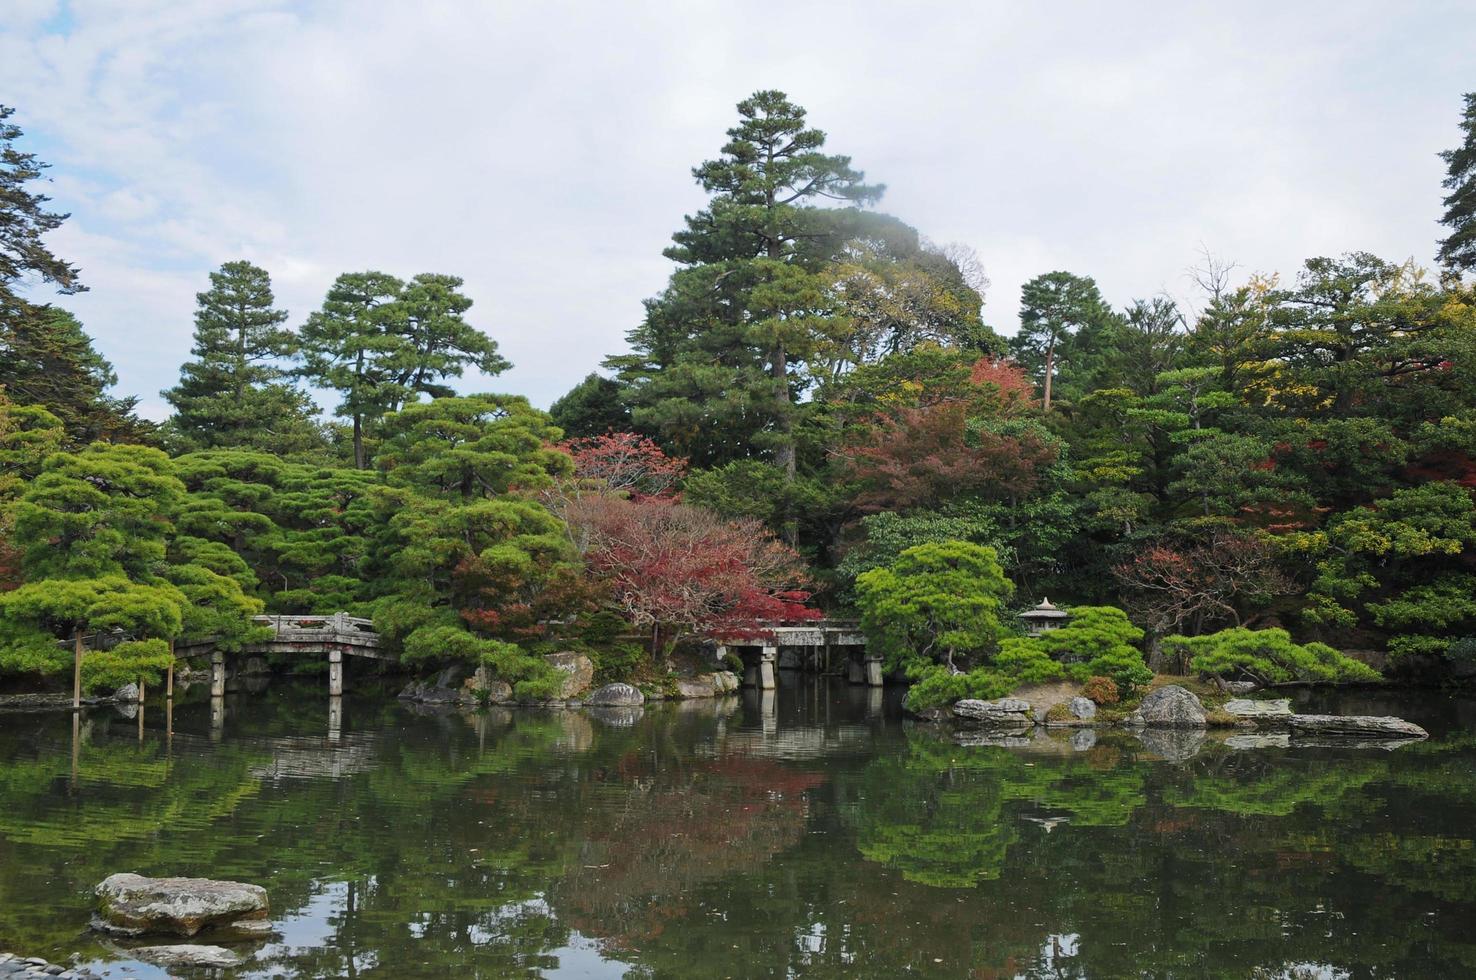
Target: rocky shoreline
x,y
1169,709
15,965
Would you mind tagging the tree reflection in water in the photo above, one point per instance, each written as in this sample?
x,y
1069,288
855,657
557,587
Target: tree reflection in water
x,y
822,837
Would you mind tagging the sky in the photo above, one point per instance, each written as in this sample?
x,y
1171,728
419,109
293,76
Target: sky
x,y
543,151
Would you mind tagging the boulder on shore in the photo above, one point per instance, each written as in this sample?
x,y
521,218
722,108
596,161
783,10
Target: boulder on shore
x,y
616,695
1168,707
1356,726
999,713
131,905
580,673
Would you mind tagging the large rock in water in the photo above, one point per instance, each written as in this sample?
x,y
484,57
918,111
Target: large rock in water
x,y
1355,726
617,695
999,713
130,905
580,670
1168,707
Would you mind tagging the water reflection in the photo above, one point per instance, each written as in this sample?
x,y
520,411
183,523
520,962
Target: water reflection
x,y
808,831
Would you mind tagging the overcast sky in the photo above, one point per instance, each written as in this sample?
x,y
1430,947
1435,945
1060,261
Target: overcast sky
x,y
543,151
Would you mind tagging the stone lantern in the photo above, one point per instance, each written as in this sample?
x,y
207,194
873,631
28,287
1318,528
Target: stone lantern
x,y
1043,618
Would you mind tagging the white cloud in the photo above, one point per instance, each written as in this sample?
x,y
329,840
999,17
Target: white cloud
x,y
542,151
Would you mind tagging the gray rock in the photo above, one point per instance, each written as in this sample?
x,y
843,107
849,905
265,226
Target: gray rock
x,y
450,677
130,904
1241,687
127,694
1168,707
620,695
1244,708
580,671
1355,726
186,954
1264,714
1083,708
999,713
481,687
696,687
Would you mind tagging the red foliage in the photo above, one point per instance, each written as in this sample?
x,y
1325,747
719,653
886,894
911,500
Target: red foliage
x,y
1014,389
680,570
924,456
1172,588
623,462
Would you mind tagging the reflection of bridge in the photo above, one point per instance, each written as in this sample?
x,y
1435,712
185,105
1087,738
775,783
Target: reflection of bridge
x,y
816,640
333,636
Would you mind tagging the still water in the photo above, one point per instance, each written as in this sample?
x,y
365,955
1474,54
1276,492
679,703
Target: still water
x,y
815,835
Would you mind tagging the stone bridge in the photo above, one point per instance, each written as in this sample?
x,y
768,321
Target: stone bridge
x,y
813,645
332,636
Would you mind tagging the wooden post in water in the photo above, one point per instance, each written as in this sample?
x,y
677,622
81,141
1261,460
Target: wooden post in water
x,y
217,674
335,672
169,678
140,710
77,669
873,670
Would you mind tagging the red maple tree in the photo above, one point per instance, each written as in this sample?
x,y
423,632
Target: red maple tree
x,y
682,571
625,463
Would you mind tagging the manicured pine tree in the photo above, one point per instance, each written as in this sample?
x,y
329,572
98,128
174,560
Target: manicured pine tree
x,y
233,394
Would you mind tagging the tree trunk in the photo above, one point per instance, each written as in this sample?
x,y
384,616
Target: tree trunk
x,y
1050,369
359,442
784,454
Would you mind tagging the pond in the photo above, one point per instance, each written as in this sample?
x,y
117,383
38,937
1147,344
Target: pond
x,y
816,834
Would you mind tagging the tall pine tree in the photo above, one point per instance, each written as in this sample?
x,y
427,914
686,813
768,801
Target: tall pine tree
x,y
1458,250
712,368
234,393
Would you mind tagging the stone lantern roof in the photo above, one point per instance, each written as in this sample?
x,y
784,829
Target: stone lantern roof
x,y
1044,616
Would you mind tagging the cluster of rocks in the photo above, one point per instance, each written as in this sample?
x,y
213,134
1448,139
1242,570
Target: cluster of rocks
x,y
453,686
12,965
1172,709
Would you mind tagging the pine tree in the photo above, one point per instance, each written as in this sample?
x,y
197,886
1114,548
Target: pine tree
x,y
24,219
1053,307
380,342
712,368
1458,250
232,395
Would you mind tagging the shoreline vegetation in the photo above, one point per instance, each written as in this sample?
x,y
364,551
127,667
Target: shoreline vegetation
x,y
1270,484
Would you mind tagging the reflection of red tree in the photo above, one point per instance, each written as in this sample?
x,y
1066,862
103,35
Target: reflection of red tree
x,y
725,815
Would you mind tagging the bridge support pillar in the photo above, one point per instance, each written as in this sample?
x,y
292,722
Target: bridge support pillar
x,y
335,673
873,671
217,674
855,671
768,662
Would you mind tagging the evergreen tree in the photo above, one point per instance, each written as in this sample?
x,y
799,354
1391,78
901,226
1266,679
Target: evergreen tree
x,y
379,342
593,407
1458,249
23,220
1053,307
47,359
233,394
712,368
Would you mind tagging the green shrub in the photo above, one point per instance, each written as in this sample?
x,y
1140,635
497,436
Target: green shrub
x,y
1019,662
1101,690
618,660
1099,641
130,661
1267,656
